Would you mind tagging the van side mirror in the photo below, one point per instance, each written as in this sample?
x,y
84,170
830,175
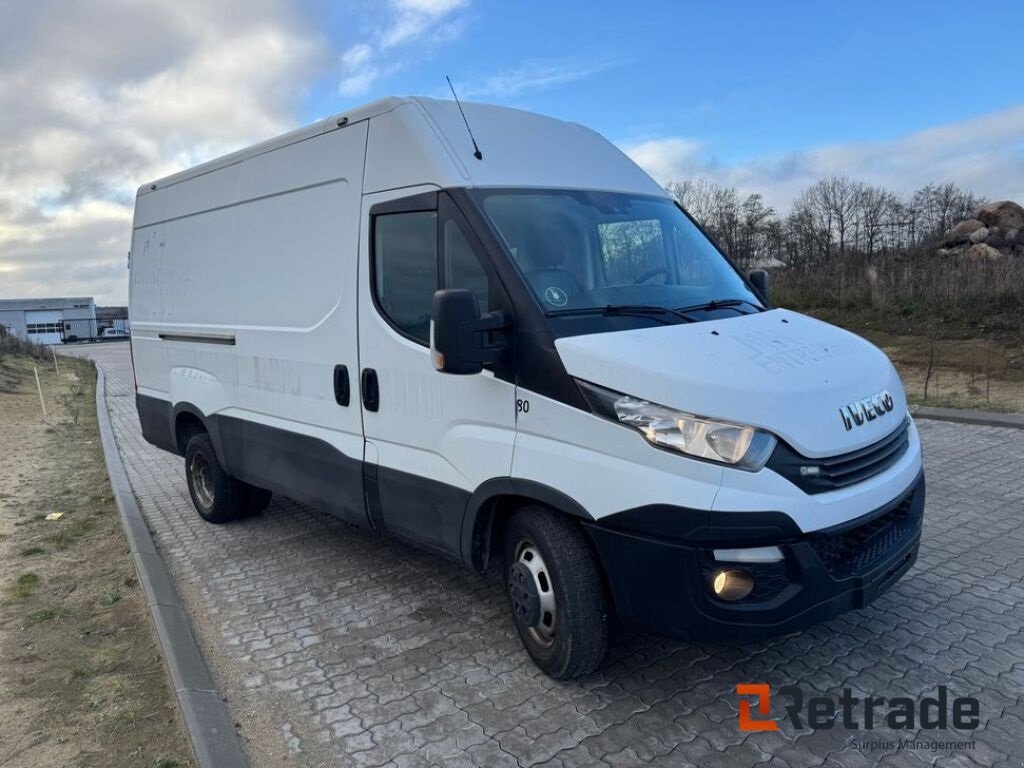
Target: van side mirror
x,y
461,339
759,279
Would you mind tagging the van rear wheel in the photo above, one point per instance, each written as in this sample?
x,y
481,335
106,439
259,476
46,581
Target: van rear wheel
x,y
556,592
217,496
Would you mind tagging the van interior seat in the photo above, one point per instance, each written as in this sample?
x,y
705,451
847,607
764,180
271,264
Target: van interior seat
x,y
546,253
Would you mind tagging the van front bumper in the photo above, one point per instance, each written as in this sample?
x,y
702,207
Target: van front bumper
x,y
660,567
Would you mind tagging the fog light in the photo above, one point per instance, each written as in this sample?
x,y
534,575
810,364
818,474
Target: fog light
x,y
732,585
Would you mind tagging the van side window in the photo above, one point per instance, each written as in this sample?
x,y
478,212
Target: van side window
x,y
462,268
405,270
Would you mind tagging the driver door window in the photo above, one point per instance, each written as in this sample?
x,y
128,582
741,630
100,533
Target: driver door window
x,y
405,270
462,268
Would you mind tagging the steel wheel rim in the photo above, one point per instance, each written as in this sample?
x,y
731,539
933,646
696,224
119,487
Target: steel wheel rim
x,y
542,633
202,480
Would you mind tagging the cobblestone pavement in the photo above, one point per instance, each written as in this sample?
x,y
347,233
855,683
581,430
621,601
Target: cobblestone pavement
x,y
336,647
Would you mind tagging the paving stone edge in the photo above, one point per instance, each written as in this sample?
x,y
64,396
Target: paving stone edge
x,y
961,416
210,729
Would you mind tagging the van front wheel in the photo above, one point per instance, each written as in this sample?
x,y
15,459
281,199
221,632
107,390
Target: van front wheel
x,y
556,592
218,497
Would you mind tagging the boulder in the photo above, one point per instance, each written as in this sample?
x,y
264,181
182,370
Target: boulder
x,y
983,251
961,233
1013,236
995,238
1003,213
979,235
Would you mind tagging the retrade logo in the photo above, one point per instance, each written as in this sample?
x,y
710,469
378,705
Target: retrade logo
x,y
763,693
941,711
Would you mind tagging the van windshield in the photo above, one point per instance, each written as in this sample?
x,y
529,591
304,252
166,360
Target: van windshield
x,y
594,252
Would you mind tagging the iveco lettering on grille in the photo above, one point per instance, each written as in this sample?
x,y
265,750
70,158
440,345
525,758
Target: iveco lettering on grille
x,y
870,408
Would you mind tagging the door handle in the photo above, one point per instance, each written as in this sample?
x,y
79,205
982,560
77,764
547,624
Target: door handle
x,y
341,386
371,394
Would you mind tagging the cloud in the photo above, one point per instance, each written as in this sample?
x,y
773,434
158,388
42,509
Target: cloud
x,y
669,159
415,18
404,24
530,76
361,72
984,154
100,97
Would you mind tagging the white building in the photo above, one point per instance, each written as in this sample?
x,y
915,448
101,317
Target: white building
x,y
49,321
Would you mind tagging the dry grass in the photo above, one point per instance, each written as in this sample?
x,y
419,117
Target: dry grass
x,y
82,678
980,294
953,326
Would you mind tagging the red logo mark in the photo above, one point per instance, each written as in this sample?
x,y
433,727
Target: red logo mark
x,y
763,693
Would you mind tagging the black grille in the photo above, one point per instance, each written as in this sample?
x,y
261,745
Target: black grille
x,y
820,475
855,550
769,580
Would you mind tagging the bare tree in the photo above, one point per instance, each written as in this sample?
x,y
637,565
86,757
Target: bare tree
x,y
831,218
697,196
937,207
877,211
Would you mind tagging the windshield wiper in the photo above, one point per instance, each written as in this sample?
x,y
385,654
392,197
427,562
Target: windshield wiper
x,y
623,309
721,304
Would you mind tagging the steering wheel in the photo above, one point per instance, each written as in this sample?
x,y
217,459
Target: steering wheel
x,y
649,274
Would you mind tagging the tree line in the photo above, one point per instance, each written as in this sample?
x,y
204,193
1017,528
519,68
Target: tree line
x,y
833,217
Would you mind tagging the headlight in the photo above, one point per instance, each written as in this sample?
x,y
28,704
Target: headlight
x,y
741,447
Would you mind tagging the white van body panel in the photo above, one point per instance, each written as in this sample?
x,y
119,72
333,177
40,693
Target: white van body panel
x,y
457,431
425,141
542,153
279,224
751,491
609,467
783,372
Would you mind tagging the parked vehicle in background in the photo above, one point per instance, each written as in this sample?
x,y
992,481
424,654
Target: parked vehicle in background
x,y
115,333
522,352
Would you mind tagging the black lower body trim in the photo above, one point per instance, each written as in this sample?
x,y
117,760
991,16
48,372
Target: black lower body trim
x,y
156,417
415,509
298,466
421,511
664,585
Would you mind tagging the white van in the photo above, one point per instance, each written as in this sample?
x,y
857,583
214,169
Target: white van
x,y
525,354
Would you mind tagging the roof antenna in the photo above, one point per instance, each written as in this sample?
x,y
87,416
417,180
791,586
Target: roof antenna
x,y
476,150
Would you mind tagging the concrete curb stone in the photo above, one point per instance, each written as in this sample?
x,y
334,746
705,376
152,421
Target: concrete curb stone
x,y
960,416
210,730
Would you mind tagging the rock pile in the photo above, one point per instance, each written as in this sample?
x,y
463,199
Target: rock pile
x,y
994,231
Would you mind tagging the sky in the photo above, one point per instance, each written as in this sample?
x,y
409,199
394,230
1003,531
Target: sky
x,y
100,96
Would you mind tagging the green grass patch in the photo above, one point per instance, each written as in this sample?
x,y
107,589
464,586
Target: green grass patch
x,y
167,762
32,551
109,598
48,614
23,586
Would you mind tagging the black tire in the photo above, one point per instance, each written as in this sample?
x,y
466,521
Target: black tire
x,y
217,496
574,642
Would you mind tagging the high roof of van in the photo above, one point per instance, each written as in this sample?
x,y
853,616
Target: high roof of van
x,y
418,140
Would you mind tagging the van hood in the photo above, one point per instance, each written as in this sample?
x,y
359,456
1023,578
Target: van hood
x,y
778,370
